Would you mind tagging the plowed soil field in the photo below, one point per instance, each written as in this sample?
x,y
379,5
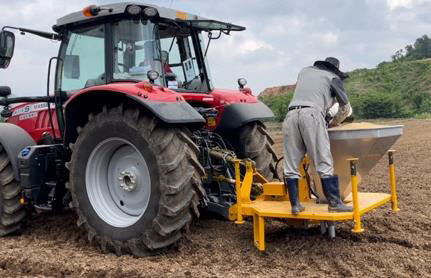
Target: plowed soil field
x,y
391,246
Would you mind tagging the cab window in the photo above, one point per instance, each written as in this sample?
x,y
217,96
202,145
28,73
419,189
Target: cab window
x,y
136,50
179,61
84,59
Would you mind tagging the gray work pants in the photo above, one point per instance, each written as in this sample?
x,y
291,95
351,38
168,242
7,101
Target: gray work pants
x,y
304,131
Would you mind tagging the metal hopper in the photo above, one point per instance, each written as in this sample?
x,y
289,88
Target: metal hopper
x,y
365,141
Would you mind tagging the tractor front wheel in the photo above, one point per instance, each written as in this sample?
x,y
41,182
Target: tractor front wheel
x,y
12,213
135,182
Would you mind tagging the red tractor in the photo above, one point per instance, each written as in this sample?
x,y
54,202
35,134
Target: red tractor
x,y
134,137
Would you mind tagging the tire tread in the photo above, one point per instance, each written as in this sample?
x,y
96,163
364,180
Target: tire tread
x,y
180,182
257,144
12,213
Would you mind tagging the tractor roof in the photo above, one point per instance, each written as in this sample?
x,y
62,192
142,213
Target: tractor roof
x,y
166,13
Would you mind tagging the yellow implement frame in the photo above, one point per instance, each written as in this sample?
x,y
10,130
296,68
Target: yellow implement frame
x,y
274,201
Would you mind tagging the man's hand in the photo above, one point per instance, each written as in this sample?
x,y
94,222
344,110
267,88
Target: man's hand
x,y
343,112
349,119
333,124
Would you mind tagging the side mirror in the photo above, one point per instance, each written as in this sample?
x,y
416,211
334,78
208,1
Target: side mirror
x,y
5,91
7,46
71,67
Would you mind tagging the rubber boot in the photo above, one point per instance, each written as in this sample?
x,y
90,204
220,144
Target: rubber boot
x,y
292,189
331,189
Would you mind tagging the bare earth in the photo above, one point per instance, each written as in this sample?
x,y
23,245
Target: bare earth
x,y
392,245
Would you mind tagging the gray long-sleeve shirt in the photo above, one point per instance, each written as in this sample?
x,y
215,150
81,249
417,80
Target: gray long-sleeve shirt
x,y
320,89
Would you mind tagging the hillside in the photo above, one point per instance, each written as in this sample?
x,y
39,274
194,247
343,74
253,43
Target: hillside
x,y
273,91
407,77
392,90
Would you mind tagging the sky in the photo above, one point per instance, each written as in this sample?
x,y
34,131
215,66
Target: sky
x,y
282,36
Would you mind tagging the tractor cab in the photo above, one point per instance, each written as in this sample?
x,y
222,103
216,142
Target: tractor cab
x,y
126,138
130,42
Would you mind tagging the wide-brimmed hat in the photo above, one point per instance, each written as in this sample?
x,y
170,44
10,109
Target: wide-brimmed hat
x,y
332,64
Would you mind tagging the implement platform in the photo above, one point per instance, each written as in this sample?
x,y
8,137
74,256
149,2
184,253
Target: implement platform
x,y
313,211
261,209
274,202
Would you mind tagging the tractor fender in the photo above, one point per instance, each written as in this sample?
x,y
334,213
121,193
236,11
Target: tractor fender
x,y
239,114
14,139
78,108
171,112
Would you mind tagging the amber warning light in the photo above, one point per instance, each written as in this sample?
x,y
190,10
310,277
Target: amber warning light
x,y
90,11
93,10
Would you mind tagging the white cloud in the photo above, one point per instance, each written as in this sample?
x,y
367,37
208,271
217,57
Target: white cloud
x,y
393,4
409,4
328,39
284,26
251,45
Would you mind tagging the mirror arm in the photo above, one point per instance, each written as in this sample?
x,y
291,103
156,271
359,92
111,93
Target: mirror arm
x,y
210,37
227,32
43,34
208,44
173,40
215,38
7,101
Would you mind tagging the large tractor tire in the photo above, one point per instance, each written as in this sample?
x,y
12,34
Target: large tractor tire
x,y
253,141
12,213
135,182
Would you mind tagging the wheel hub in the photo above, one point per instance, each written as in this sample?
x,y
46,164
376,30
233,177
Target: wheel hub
x,y
127,180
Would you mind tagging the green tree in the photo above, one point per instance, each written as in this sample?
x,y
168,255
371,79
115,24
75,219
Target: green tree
x,y
399,54
421,49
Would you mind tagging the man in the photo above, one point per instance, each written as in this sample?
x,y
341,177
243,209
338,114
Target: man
x,y
305,130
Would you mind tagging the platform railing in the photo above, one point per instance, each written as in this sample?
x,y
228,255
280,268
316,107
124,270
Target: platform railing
x,y
394,197
354,179
356,213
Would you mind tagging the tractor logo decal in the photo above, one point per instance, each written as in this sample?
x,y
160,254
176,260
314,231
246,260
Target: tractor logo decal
x,y
31,108
25,151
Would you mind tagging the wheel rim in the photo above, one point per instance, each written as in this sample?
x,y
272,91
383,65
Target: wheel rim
x,y
118,182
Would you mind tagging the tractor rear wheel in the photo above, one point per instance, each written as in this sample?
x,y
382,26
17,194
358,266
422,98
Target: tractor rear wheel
x,y
135,182
12,213
253,141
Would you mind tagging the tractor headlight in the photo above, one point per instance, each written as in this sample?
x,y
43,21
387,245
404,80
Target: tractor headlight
x,y
134,10
152,75
242,82
150,12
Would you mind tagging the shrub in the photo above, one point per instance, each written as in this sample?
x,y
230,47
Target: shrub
x,y
423,116
379,105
